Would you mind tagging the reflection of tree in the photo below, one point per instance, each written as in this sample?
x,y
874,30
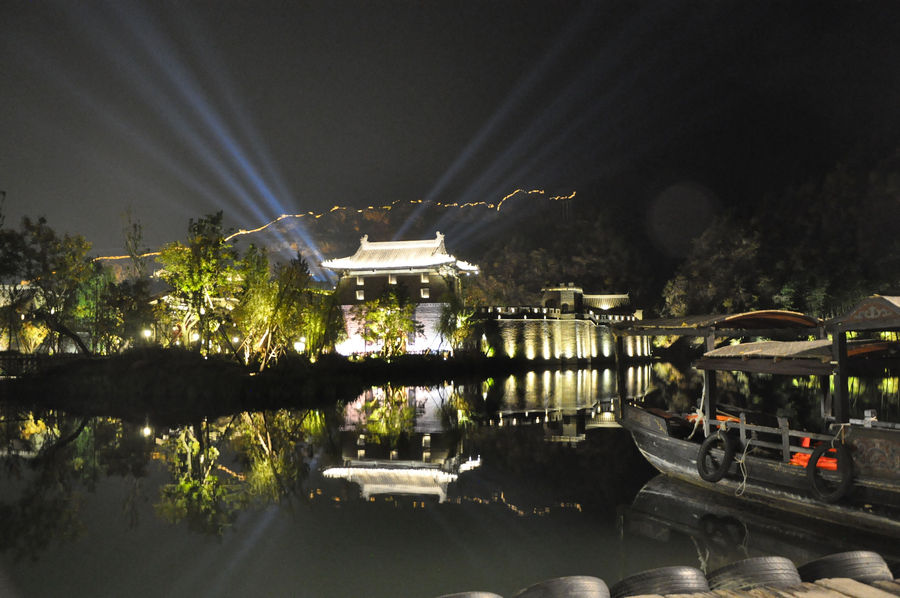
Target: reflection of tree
x,y
46,507
274,449
390,417
464,406
675,389
196,495
50,458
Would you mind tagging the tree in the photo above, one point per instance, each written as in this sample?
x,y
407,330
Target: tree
x,y
279,310
322,324
723,273
43,274
456,320
203,276
98,313
389,321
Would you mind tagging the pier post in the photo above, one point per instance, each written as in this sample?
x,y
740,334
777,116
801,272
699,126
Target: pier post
x,y
621,389
841,399
709,389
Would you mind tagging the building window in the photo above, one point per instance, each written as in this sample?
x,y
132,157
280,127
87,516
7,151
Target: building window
x,y
424,293
360,295
423,279
359,281
392,279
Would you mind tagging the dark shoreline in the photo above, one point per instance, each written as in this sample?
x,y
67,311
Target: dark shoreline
x,y
172,387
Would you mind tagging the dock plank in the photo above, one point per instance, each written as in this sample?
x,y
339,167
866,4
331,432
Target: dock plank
x,y
767,592
811,590
855,589
888,586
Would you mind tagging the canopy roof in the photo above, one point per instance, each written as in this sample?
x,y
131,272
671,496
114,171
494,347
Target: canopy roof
x,y
761,321
796,358
878,312
399,256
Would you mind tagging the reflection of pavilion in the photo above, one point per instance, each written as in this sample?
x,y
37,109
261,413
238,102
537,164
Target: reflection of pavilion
x,y
424,466
379,477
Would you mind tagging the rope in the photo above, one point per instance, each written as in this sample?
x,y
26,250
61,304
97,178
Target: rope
x,y
840,433
699,413
703,558
742,462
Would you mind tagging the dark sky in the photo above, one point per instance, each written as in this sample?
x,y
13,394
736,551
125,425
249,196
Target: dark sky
x,y
177,109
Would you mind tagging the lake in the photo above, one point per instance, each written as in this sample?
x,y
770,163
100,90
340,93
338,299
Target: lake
x,y
492,485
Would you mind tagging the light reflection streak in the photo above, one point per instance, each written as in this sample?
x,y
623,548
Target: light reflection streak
x,y
239,556
147,61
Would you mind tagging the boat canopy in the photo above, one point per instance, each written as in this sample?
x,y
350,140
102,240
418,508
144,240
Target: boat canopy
x,y
878,312
796,358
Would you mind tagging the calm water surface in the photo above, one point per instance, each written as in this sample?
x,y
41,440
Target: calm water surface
x,y
400,492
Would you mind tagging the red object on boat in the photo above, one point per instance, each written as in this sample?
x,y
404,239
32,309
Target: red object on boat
x,y
801,460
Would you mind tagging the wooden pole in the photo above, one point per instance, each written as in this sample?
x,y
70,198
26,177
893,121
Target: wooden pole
x,y
709,389
621,390
841,398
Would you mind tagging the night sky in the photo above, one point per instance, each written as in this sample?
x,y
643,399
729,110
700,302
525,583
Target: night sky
x,y
177,109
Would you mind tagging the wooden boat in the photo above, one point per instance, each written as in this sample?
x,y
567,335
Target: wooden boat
x,y
847,471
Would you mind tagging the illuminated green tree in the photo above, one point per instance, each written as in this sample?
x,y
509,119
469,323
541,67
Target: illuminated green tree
x,y
42,274
456,322
98,312
322,325
387,320
280,310
203,275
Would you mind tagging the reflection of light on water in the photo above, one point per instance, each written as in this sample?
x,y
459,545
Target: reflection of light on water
x,y
470,464
372,481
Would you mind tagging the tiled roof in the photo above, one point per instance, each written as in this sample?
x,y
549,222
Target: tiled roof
x,y
398,255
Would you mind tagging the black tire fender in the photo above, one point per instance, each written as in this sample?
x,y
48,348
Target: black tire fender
x,y
665,580
710,469
577,586
818,485
770,571
860,565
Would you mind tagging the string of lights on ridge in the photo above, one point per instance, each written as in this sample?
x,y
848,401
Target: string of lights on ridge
x,y
386,208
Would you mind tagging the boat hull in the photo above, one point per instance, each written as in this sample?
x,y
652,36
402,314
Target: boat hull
x,y
765,481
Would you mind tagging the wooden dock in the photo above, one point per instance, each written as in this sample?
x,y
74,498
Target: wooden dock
x,y
823,588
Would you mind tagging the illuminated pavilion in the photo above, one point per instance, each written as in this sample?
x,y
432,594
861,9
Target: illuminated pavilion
x,y
421,270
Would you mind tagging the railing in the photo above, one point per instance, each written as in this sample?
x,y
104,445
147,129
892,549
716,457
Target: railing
x,y
749,433
530,312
